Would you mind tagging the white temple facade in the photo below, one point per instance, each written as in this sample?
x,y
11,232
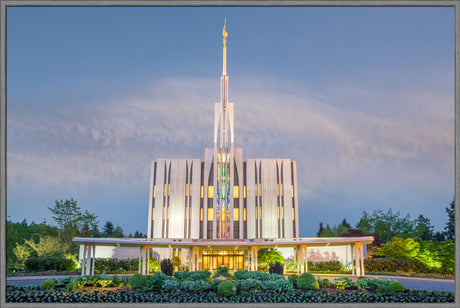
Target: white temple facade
x,y
221,210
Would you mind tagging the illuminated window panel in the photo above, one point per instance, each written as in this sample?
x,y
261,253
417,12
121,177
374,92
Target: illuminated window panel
x,y
278,211
165,189
282,212
292,191
210,213
255,189
210,192
190,189
244,191
169,189
236,193
277,189
201,213
154,191
236,214
293,214
244,214
282,192
186,190
153,213
202,192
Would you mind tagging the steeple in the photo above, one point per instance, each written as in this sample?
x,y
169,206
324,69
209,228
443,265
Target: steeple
x,y
225,34
224,78
223,155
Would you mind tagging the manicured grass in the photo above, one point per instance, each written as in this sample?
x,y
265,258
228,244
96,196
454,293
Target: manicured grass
x,y
35,295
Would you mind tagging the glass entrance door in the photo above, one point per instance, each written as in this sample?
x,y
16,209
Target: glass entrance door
x,y
230,259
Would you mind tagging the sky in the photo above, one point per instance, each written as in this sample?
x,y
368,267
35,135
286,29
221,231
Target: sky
x,y
362,98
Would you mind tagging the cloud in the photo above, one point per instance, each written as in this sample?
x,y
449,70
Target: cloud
x,y
340,149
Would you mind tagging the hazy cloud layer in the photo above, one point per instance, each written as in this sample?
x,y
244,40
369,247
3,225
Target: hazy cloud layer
x,y
400,138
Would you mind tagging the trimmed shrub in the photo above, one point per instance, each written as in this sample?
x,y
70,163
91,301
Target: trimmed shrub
x,y
70,287
215,284
247,284
193,276
49,284
137,281
293,280
276,285
222,271
169,285
396,286
167,267
326,267
195,286
382,265
41,264
324,283
276,268
226,288
306,281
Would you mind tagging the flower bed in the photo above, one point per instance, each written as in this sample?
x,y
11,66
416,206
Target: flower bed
x,y
122,295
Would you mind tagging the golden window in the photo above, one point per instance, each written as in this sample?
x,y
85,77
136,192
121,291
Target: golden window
x,y
236,214
210,192
236,192
210,214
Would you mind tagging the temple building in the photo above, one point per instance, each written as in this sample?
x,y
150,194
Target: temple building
x,y
221,210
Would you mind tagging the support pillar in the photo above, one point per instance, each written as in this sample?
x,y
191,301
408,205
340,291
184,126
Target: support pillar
x,y
352,248
83,261
88,261
94,259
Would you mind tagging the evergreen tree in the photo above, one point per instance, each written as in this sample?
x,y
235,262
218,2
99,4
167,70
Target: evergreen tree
x,y
423,228
108,229
321,229
118,232
346,224
449,229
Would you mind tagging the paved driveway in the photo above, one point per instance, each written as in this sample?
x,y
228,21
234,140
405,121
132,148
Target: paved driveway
x,y
422,283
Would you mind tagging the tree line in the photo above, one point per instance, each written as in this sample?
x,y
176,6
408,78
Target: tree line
x,y
25,241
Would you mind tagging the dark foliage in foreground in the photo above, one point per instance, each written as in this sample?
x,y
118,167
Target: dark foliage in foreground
x,y
35,295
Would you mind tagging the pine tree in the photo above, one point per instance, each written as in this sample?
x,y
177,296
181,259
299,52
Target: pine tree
x,y
450,224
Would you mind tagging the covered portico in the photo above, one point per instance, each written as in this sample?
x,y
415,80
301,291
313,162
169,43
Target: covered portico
x,y
240,254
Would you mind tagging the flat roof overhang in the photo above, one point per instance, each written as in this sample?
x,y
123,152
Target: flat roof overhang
x,y
223,244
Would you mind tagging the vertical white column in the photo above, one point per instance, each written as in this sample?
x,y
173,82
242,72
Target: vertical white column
x,y
358,261
352,247
140,257
148,260
255,259
94,259
306,258
362,258
83,260
88,261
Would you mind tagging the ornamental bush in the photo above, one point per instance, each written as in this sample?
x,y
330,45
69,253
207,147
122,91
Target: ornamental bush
x,y
324,283
276,285
156,282
396,286
70,287
381,265
41,264
247,284
167,267
137,281
222,271
193,276
169,285
49,284
306,281
215,284
276,268
195,286
226,288
327,267
293,280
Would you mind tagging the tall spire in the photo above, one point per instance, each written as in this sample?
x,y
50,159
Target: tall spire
x,y
225,34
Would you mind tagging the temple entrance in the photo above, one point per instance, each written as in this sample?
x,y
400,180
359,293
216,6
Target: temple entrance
x,y
233,260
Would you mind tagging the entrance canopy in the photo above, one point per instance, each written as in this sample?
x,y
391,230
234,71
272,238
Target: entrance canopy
x,y
201,250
